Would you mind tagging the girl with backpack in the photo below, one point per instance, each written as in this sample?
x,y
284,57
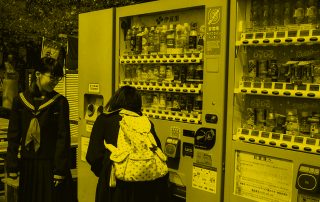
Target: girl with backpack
x,y
126,101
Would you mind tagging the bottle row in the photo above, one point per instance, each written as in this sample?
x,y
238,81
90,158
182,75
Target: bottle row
x,y
279,13
187,103
296,72
178,73
304,123
175,39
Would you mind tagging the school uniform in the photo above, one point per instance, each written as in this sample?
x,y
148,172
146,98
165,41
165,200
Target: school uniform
x,y
40,126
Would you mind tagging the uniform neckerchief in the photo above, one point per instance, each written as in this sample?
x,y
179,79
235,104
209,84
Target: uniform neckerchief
x,y
33,134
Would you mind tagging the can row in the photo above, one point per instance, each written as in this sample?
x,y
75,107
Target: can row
x,y
171,101
171,73
304,123
291,71
279,13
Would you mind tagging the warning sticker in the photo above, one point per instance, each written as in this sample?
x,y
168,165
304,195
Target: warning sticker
x,y
204,178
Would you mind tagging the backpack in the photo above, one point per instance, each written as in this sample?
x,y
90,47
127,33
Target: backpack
x,y
137,156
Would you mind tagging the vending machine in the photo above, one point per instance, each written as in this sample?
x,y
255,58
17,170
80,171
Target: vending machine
x,y
273,144
174,53
96,84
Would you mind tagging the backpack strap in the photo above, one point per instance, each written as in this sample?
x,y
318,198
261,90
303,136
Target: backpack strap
x,y
110,147
33,133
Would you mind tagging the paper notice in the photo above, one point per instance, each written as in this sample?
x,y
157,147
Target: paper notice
x,y
204,178
263,178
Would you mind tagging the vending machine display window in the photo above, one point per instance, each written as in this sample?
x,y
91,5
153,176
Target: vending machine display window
x,y
161,55
273,105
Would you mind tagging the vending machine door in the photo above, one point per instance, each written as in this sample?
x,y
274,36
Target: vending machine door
x,y
273,108
174,53
96,64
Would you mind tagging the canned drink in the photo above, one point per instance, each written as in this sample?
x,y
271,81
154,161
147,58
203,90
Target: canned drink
x,y
144,73
127,72
162,101
304,125
252,68
150,75
255,14
273,70
283,72
139,72
169,101
176,74
270,122
190,72
143,100
299,12
176,102
155,101
169,73
183,73
260,116
156,73
260,119
312,12
277,14
287,13
266,13
314,126
134,72
199,73
149,100
190,103
263,69
183,102
250,118
280,124
197,103
162,72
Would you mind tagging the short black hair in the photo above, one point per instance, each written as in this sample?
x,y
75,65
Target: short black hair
x,y
46,65
126,97
51,65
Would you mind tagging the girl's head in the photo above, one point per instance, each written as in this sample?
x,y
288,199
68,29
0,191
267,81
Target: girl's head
x,y
126,97
46,76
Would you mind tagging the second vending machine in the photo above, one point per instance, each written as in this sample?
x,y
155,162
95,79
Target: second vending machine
x,y
174,53
273,142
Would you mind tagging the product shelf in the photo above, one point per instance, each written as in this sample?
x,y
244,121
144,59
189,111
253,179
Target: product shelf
x,y
186,117
297,143
286,37
165,87
162,58
279,89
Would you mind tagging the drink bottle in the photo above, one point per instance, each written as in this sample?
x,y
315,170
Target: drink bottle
x,y
163,40
145,41
312,12
193,38
299,12
128,42
170,39
180,39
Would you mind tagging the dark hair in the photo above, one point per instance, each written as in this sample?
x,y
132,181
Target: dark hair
x,y
126,97
46,65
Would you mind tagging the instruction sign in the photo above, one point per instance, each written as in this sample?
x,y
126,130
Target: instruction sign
x,y
263,178
204,178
